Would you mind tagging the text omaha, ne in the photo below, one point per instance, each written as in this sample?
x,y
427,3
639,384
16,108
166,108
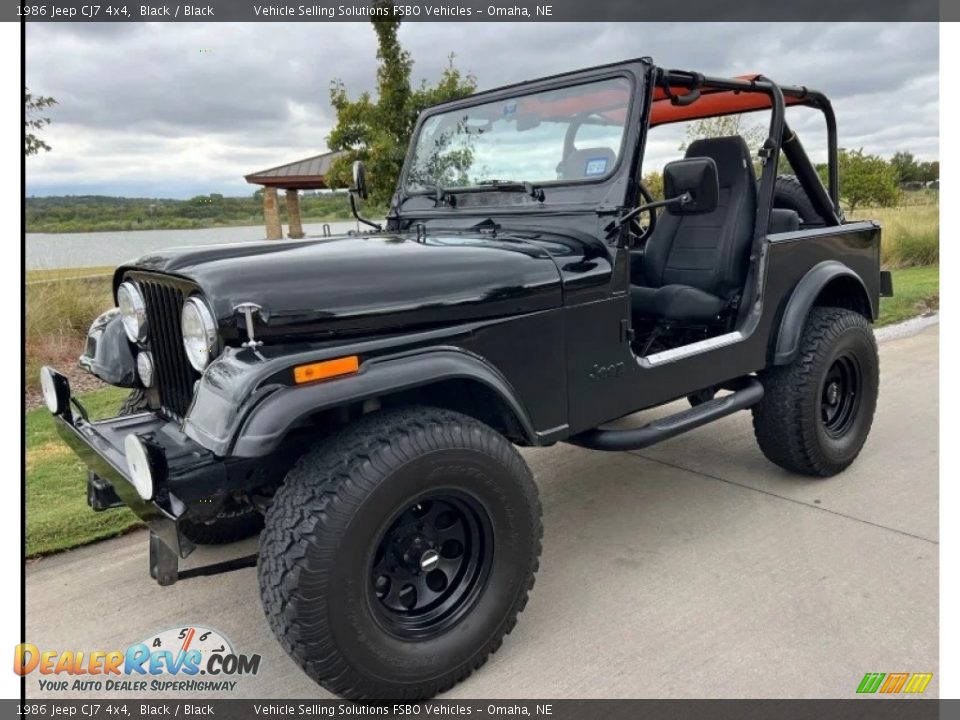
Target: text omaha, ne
x,y
408,11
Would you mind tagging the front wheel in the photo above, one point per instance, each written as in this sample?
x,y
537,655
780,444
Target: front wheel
x,y
398,554
817,411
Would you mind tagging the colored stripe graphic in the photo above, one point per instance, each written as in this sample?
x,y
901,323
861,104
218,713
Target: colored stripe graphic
x,y
918,682
870,682
894,683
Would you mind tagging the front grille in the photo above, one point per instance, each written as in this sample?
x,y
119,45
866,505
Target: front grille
x,y
174,374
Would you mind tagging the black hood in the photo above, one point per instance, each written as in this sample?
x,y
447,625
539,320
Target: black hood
x,y
365,283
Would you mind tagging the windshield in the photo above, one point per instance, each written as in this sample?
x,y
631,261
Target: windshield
x,y
567,134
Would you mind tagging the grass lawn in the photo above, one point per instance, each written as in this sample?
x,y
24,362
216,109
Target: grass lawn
x,y
58,516
916,291
105,271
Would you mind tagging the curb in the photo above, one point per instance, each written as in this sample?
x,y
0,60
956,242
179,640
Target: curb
x,y
907,328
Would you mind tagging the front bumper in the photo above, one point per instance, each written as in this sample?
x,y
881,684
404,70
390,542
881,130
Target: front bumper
x,y
192,476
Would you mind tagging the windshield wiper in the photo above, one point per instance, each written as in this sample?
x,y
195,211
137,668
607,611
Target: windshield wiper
x,y
440,195
514,186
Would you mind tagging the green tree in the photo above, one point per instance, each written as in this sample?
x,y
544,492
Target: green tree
x,y
724,126
928,171
905,166
34,105
865,179
653,181
377,130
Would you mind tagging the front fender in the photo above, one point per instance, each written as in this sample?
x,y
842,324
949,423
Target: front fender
x,y
243,409
271,419
804,295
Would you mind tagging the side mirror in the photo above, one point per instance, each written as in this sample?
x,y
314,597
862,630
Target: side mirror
x,y
359,180
694,183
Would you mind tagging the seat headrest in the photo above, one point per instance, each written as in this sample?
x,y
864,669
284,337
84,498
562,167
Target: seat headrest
x,y
587,163
731,155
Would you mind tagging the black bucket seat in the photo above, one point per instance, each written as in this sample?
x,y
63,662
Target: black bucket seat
x,y
694,266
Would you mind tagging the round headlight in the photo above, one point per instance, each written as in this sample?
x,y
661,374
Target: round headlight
x,y
145,368
133,311
199,332
138,464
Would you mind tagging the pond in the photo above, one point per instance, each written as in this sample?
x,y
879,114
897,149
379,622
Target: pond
x,y
46,251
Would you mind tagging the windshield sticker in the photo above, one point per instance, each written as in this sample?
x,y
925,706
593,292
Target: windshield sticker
x,y
595,166
510,108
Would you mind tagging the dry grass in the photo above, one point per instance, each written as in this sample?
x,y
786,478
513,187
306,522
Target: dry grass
x,y
59,313
911,234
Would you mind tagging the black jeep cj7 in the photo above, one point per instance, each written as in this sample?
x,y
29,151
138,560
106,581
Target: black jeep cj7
x,y
359,398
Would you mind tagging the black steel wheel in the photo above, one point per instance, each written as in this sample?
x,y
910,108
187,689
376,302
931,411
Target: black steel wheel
x,y
840,397
817,411
430,564
398,553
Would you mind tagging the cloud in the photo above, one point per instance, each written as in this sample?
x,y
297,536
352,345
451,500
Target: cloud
x,y
175,109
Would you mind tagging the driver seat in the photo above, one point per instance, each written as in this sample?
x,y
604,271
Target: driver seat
x,y
693,267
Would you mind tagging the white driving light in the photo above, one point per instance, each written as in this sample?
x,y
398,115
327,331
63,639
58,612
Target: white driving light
x,y
138,464
199,332
56,390
145,368
133,310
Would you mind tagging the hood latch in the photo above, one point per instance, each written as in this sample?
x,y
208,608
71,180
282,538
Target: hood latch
x,y
249,309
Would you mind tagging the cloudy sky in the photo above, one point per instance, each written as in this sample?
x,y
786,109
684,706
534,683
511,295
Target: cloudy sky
x,y
176,109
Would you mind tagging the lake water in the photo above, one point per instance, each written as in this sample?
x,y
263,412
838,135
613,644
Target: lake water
x,y
70,250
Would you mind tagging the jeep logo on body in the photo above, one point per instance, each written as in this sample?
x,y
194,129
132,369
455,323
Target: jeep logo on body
x,y
605,372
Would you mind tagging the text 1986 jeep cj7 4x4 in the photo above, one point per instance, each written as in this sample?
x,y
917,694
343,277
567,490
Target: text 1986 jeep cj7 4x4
x,y
359,397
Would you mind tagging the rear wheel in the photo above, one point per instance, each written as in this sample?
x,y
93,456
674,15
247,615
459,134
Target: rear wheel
x,y
398,554
817,411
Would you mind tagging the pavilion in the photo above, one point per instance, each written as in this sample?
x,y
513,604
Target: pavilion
x,y
307,174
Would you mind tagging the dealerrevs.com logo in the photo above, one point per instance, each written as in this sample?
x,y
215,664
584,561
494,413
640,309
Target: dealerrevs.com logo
x,y
188,659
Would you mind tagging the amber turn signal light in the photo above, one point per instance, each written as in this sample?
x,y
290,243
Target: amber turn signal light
x,y
326,369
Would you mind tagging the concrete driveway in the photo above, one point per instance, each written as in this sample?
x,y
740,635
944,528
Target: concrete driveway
x,y
692,569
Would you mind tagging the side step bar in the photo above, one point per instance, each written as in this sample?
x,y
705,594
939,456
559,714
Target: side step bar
x,y
749,392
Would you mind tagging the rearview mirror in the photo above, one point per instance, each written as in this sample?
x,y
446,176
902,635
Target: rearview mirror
x,y
359,180
694,183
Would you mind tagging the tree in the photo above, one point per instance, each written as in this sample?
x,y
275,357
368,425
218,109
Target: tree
x,y
377,131
905,166
928,171
34,105
865,180
653,181
725,126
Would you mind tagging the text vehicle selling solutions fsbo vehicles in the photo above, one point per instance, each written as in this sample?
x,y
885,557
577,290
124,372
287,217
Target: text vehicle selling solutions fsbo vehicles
x,y
359,398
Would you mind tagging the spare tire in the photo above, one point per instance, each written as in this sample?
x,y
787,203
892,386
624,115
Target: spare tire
x,y
789,194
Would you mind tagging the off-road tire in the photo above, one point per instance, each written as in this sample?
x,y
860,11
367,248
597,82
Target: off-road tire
x,y
789,194
788,423
237,521
322,531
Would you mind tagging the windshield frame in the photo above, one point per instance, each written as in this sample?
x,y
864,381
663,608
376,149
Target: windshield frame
x,y
595,75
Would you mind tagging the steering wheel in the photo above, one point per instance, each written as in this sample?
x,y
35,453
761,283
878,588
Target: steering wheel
x,y
640,230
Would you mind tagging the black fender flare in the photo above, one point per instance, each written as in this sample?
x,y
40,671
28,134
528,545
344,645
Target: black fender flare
x,y
271,419
802,299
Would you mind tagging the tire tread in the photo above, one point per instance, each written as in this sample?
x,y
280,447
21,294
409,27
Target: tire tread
x,y
325,484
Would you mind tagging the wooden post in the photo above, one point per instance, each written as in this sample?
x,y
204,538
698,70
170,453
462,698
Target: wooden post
x,y
271,214
293,215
